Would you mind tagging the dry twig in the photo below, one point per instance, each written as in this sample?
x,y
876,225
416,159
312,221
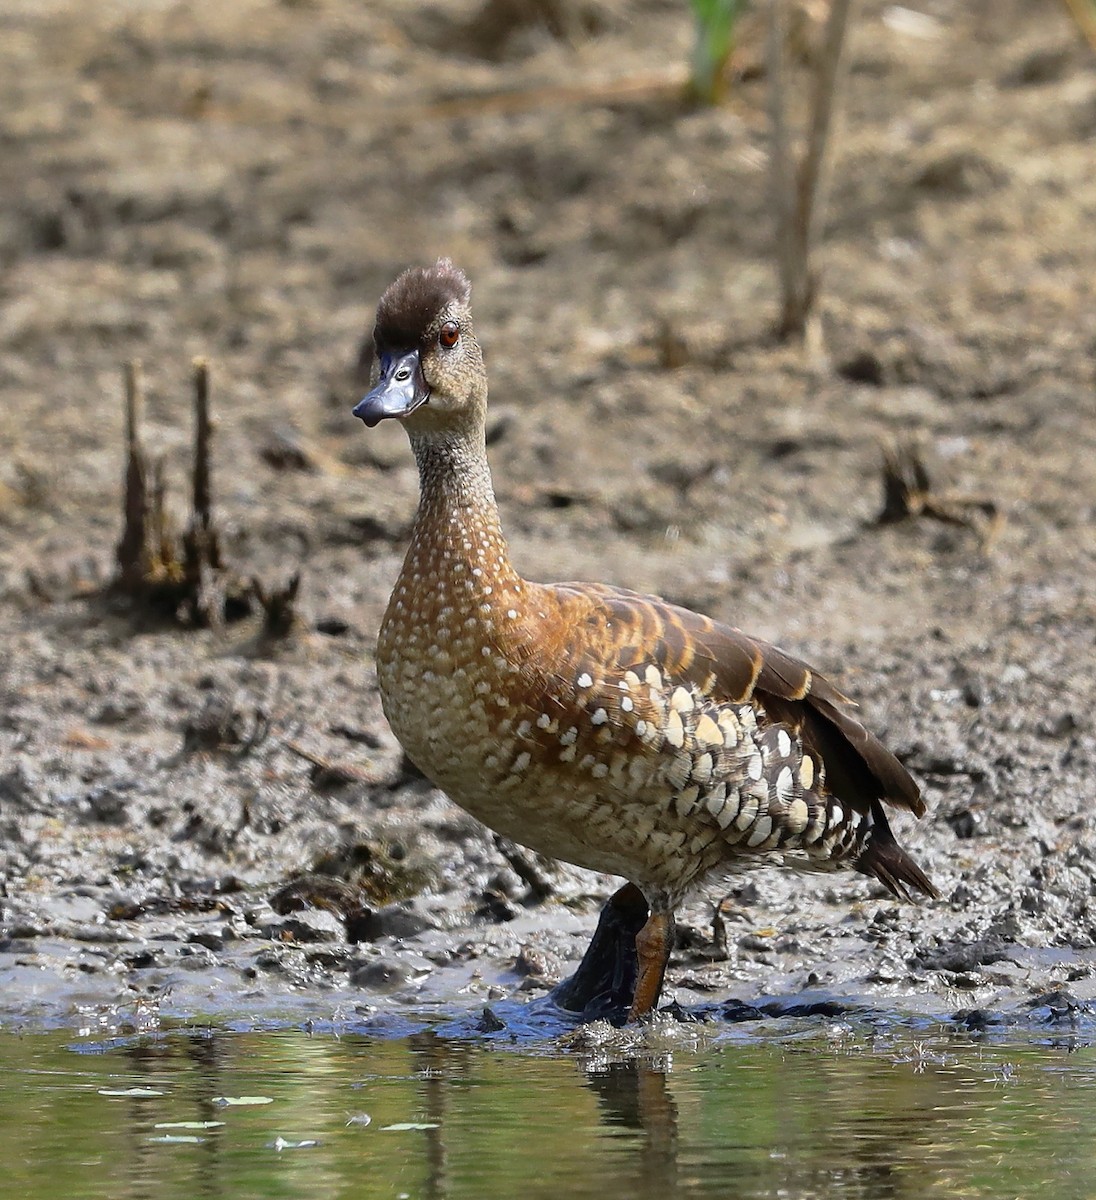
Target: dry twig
x,y
908,494
187,577
799,193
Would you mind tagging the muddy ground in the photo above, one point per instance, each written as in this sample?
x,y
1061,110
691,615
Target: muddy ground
x,y
240,181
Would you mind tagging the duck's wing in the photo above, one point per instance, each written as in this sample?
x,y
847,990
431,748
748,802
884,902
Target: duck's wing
x,y
620,631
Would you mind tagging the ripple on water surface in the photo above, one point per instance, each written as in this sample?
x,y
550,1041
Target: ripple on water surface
x,y
822,1109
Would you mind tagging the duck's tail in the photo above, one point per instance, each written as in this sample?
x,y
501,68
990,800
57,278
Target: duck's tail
x,y
885,860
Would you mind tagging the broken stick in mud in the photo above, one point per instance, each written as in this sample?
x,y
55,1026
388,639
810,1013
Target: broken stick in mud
x,y
908,493
185,578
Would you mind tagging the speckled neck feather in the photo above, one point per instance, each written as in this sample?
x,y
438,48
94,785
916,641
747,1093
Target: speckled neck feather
x,y
458,518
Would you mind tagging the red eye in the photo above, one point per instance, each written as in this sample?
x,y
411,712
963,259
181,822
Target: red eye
x,y
449,334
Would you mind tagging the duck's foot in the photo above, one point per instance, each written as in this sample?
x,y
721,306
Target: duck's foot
x,y
604,984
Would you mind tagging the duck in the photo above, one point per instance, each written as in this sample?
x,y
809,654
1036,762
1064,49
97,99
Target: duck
x,y
613,730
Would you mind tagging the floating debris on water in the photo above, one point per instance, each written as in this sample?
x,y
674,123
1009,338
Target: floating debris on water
x,y
188,1125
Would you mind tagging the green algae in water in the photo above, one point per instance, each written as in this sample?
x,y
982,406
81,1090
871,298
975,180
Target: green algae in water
x,y
811,1115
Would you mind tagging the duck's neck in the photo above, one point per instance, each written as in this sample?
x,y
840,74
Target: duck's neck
x,y
458,518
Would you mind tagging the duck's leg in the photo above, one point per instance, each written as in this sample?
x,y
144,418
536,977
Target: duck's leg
x,y
653,945
605,981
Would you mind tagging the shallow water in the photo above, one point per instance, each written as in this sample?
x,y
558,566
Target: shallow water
x,y
818,1109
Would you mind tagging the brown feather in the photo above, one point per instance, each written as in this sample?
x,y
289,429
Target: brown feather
x,y
731,666
886,861
413,303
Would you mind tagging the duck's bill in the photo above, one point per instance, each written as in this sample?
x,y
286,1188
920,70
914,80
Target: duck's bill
x,y
402,389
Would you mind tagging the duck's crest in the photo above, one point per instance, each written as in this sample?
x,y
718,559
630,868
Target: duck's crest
x,y
414,299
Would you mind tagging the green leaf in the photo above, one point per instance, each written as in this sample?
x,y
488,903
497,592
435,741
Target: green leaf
x,y
715,24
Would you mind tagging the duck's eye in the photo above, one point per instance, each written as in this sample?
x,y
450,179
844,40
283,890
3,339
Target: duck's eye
x,y
449,334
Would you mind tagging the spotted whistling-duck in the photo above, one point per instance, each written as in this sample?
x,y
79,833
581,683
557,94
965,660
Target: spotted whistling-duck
x,y
592,724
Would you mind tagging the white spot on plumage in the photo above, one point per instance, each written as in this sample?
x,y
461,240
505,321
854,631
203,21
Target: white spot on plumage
x,y
761,830
785,785
653,676
569,738
702,768
686,800
707,731
726,812
783,743
585,680
675,730
600,717
806,772
715,800
520,763
755,767
543,721
746,812
797,816
626,704
599,771
681,700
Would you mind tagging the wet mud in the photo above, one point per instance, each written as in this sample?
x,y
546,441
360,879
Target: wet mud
x,y
200,818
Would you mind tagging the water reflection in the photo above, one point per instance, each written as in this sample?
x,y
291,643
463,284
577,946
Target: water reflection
x,y
809,1115
439,1064
634,1095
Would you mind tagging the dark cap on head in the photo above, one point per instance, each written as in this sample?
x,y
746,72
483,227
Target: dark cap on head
x,y
414,300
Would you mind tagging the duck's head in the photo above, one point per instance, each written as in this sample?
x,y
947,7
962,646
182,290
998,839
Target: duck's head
x,y
429,369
